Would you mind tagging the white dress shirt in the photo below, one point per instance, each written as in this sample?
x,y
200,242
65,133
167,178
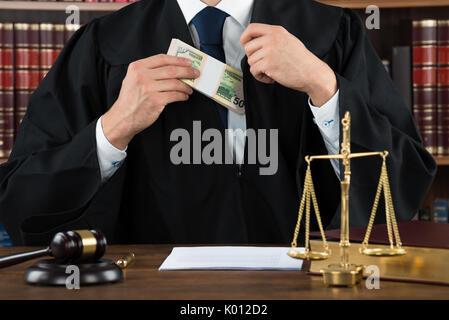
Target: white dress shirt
x,y
326,117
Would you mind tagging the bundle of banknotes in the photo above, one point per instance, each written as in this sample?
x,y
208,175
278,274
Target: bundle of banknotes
x,y
218,81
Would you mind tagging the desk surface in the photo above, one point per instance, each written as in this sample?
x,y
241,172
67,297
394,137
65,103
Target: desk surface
x,y
144,281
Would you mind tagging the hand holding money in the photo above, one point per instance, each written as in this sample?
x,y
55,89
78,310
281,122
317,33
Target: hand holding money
x,y
218,81
149,85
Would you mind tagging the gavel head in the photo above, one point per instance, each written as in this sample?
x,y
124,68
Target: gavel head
x,y
78,245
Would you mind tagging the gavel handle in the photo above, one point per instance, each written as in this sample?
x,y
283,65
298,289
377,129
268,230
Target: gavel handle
x,y
24,256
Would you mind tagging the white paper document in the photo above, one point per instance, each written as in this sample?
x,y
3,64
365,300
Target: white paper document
x,y
231,258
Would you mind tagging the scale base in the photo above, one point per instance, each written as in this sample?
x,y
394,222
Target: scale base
x,y
339,276
50,272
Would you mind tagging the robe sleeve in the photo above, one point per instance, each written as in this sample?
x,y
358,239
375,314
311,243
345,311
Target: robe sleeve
x,y
380,120
51,181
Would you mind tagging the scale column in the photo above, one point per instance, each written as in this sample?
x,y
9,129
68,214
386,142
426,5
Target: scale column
x,y
344,274
344,229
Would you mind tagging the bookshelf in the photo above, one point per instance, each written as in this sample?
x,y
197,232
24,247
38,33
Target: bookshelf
x,y
111,6
56,6
393,14
442,161
361,4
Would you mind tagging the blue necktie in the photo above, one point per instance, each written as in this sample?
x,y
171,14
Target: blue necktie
x,y
209,25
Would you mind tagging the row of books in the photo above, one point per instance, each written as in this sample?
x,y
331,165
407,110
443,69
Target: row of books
x,y
79,0
27,52
431,83
440,212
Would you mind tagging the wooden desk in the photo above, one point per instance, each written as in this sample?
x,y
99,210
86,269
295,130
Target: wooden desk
x,y
144,281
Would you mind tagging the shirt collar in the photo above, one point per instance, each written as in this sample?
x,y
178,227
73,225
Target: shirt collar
x,y
240,10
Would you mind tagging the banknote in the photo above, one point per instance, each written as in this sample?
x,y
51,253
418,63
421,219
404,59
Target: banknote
x,y
218,80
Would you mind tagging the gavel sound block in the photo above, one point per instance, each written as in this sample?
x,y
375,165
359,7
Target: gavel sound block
x,y
83,248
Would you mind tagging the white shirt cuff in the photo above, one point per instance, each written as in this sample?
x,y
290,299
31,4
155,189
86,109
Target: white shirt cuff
x,y
109,157
327,118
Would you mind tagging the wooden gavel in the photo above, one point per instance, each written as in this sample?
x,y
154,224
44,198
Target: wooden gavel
x,y
68,247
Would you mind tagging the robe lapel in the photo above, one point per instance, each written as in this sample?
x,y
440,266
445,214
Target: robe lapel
x,y
176,23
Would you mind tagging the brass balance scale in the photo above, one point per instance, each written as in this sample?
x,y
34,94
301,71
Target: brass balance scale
x,y
345,273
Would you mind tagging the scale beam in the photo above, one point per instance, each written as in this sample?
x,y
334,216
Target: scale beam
x,y
350,156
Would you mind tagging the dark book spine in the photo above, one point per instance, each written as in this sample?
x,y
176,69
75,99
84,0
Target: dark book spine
x,y
425,81
6,89
424,214
70,29
26,66
402,73
51,44
45,48
443,88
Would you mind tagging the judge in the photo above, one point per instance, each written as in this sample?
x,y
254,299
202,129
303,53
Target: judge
x,y
93,150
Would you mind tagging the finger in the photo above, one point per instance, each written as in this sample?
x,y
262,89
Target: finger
x,y
255,30
256,56
174,72
254,45
172,85
161,60
258,70
265,79
172,96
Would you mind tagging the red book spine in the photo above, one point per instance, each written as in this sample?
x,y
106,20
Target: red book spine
x,y
51,44
443,88
26,66
6,89
425,81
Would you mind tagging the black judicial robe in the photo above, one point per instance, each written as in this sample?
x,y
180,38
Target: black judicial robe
x,y
52,179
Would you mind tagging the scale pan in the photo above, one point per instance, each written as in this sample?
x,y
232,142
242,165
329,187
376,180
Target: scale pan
x,y
384,251
311,255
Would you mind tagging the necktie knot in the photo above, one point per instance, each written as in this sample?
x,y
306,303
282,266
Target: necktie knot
x,y
209,25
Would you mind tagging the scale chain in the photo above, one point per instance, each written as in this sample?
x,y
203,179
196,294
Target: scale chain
x,y
300,212
307,211
387,205
373,212
317,213
389,200
390,215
